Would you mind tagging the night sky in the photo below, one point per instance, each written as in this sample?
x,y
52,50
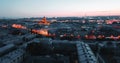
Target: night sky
x,y
52,8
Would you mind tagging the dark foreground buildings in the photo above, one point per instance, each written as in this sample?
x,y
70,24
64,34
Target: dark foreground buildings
x,y
62,40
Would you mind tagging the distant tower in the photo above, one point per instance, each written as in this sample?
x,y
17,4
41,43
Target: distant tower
x,y
44,21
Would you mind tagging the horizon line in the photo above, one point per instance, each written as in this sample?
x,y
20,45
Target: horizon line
x,y
55,16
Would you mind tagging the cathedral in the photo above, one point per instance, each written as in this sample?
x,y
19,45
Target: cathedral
x,y
44,21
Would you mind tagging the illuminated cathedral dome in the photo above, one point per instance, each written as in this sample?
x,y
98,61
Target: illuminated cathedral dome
x,y
44,21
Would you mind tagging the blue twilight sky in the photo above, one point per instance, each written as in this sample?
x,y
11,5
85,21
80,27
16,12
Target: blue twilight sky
x,y
50,8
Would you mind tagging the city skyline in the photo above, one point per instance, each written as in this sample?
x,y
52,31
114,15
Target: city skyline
x,y
53,8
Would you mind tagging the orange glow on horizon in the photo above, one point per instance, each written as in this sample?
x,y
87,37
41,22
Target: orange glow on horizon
x,y
83,13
